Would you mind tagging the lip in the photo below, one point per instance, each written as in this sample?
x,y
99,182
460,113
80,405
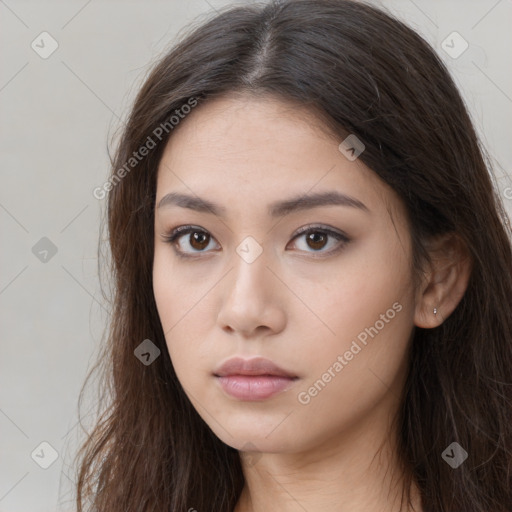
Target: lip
x,y
254,366
253,379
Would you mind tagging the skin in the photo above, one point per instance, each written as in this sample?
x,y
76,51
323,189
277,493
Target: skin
x,y
298,304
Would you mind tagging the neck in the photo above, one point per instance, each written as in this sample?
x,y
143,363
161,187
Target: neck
x,y
359,473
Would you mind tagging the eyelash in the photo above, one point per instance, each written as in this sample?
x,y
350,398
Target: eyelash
x,y
180,231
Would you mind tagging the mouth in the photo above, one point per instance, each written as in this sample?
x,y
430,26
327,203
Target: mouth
x,y
255,387
253,379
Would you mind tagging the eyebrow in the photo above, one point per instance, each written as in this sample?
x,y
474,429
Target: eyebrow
x,y
276,209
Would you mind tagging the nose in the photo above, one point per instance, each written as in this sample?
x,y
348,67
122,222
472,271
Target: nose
x,y
252,299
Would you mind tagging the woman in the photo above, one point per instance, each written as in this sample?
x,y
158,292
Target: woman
x,y
312,279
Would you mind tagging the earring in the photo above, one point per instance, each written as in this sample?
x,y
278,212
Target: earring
x,y
435,311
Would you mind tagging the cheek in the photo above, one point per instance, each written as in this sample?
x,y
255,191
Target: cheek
x,y
352,374
180,304
354,296
364,313
165,292
175,293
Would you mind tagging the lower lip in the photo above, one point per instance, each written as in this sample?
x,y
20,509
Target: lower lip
x,y
254,387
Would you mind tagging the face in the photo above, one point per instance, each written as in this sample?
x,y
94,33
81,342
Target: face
x,y
321,289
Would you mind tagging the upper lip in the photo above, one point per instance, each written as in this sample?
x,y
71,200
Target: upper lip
x,y
255,366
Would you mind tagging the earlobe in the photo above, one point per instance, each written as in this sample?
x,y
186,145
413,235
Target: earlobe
x,y
445,283
428,317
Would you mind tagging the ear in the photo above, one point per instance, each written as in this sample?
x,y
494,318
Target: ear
x,y
445,282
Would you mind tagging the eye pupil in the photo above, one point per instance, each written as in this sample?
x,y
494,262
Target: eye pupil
x,y
317,244
202,237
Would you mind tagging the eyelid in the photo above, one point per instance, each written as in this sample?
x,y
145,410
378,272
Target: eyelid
x,y
180,231
319,227
339,235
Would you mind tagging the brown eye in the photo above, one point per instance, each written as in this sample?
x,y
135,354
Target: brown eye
x,y
197,240
316,240
313,240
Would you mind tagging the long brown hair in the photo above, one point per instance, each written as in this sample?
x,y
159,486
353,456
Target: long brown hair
x,y
363,72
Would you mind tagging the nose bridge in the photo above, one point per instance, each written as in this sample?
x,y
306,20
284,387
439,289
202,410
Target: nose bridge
x,y
250,276
248,299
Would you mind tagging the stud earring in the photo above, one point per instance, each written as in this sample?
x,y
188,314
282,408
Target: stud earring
x,y
435,311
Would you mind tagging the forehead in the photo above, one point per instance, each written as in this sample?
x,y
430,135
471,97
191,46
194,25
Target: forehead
x,y
254,150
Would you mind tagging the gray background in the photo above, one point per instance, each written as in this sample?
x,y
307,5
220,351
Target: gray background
x,y
57,116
